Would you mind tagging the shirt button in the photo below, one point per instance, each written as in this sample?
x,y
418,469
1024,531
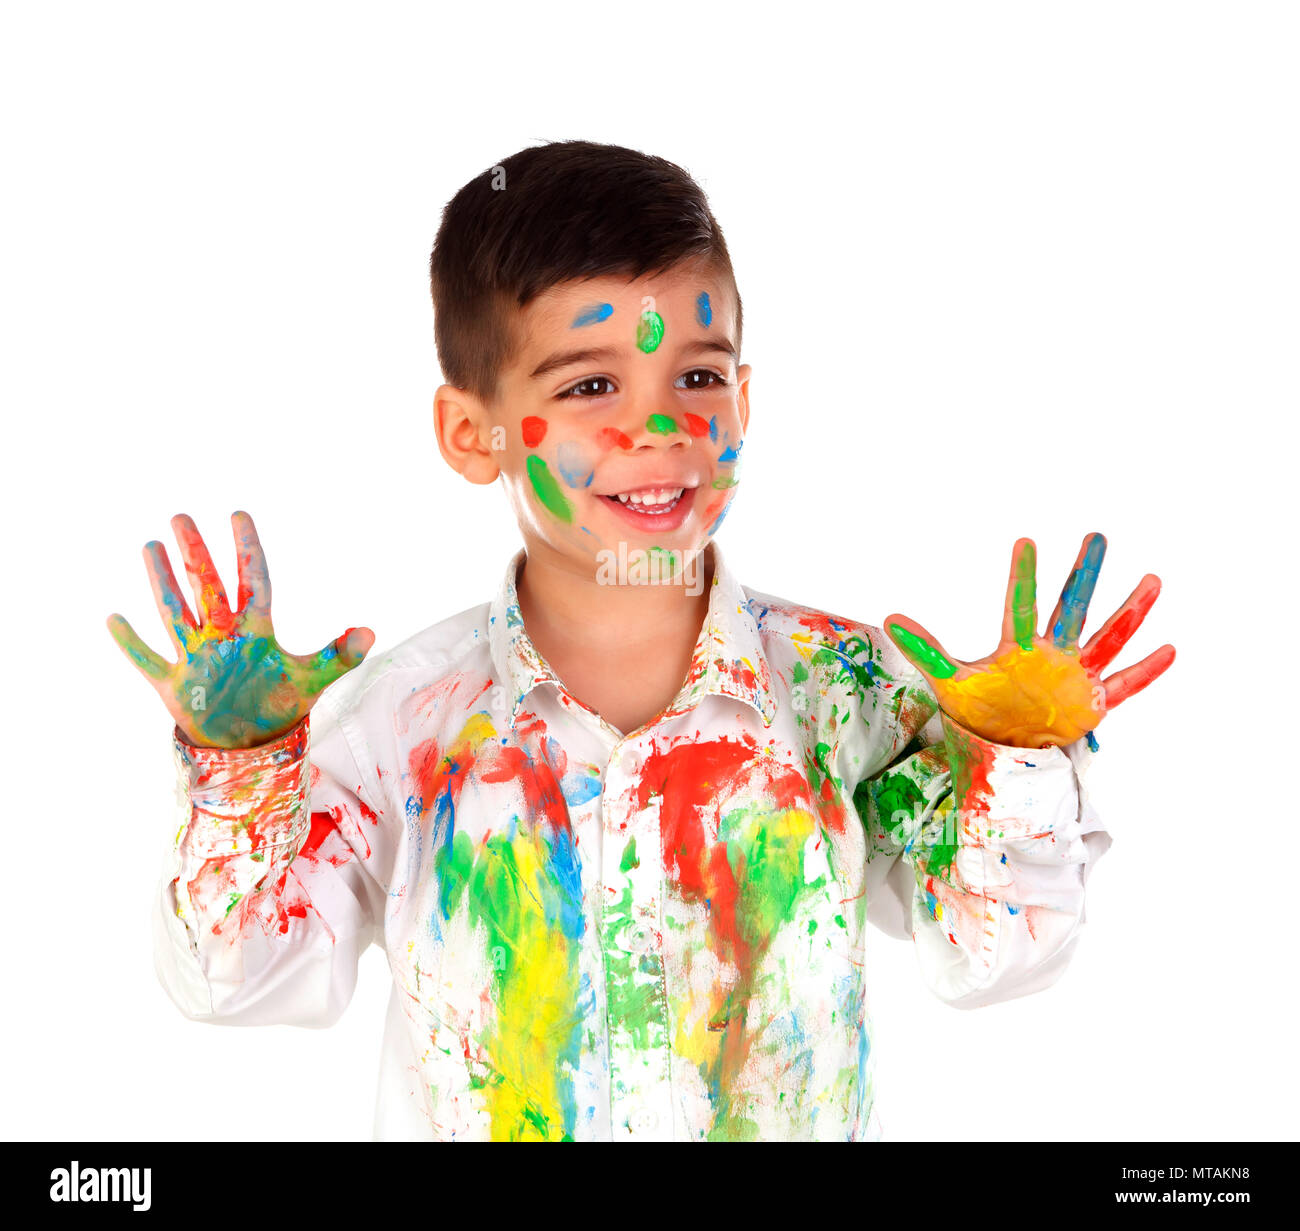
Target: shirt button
x,y
638,938
643,1120
631,762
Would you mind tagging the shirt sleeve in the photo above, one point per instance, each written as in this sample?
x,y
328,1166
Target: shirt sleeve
x,y
270,892
980,852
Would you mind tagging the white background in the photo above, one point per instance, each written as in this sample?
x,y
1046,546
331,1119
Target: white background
x,y
1007,269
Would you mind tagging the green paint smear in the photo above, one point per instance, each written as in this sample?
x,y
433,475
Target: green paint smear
x,y
547,489
634,1004
923,652
893,794
629,860
662,424
649,331
1024,596
723,483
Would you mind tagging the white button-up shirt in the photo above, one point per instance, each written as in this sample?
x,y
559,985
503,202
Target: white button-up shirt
x,y
646,936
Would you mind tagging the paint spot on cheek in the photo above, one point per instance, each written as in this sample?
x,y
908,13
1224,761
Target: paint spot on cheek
x,y
593,314
573,464
703,309
547,489
696,426
611,437
731,453
533,429
713,429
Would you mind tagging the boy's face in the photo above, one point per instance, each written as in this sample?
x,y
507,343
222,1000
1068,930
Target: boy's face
x,y
621,416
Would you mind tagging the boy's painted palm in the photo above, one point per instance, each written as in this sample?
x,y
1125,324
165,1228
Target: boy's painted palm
x,y
1035,690
232,686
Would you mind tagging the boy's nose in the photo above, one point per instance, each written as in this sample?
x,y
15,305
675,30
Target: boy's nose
x,y
656,429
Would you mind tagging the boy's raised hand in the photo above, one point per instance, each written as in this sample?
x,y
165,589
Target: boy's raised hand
x,y
232,686
1036,690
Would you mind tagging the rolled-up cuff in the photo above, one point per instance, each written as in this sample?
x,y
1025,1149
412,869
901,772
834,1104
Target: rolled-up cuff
x,y
1006,792
245,799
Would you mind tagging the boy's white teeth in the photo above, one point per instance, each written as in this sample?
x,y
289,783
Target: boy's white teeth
x,y
666,495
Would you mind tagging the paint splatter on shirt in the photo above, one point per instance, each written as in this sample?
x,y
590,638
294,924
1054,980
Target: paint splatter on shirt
x,y
593,935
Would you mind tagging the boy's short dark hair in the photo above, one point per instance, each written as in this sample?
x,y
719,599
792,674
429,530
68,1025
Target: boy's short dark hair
x,y
548,214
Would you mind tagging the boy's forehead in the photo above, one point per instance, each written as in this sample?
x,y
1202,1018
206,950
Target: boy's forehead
x,y
592,301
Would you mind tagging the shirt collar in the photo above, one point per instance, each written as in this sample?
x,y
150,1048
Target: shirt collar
x,y
728,659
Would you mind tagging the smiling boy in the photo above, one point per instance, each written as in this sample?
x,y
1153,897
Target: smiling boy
x,y
620,830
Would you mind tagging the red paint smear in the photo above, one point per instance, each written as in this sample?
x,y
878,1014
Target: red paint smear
x,y
323,824
697,426
819,622
970,779
609,437
692,778
533,429
437,775
712,511
537,780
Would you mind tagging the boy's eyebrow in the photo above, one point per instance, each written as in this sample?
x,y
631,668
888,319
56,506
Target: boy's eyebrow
x,y
562,359
722,345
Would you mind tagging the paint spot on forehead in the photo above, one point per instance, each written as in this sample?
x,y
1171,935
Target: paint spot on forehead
x,y
574,465
533,429
703,309
649,331
593,314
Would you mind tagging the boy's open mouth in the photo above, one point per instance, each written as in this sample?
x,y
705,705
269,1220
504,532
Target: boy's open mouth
x,y
653,508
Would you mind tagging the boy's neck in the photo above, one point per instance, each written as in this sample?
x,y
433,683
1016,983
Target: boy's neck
x,y
622,650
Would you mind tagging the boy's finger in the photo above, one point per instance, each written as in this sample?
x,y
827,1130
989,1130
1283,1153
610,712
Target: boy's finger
x,y
1112,636
337,658
921,649
209,593
1123,684
172,606
254,578
1072,608
1020,615
153,665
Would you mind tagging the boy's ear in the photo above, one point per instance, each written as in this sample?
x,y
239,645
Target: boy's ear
x,y
742,381
465,434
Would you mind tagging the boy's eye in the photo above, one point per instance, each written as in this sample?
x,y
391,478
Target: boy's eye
x,y
584,388
700,378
